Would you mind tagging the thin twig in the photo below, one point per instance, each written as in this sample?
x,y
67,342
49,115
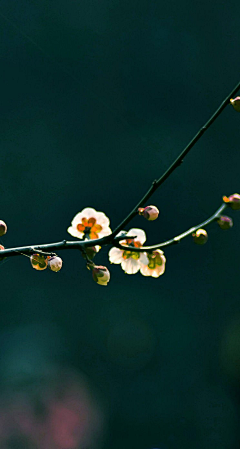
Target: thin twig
x,y
176,239
176,163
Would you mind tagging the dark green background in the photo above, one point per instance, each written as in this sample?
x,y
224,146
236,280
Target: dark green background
x,y
97,99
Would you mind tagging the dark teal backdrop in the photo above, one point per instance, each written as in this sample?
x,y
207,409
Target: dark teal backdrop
x,y
97,99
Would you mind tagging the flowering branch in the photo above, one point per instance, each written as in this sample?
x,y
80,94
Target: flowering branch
x,y
178,238
93,231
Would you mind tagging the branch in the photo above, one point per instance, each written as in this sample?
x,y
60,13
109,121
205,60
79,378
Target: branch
x,y
113,239
48,249
176,239
176,163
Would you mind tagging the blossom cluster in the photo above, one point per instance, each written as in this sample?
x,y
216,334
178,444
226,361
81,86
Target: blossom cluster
x,y
128,248
90,224
149,264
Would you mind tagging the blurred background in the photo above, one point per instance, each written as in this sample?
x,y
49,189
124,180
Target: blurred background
x,y
98,97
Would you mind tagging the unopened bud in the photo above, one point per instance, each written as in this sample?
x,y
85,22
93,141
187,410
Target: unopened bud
x,y
200,236
3,228
100,274
39,262
225,222
235,102
233,201
150,212
55,263
1,248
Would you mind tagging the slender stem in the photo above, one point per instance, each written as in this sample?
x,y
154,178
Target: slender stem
x,y
113,238
49,248
176,163
176,239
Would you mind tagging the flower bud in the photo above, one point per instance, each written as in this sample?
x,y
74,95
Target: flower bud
x,y
3,228
55,263
100,274
150,212
225,222
233,201
1,248
200,237
39,262
235,102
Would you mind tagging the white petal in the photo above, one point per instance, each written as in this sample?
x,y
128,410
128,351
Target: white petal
x,y
161,269
156,273
77,219
89,212
143,259
101,218
144,270
104,231
74,232
130,266
140,235
115,255
163,259
159,251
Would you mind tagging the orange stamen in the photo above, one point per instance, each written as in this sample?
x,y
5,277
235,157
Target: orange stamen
x,y
80,227
90,223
